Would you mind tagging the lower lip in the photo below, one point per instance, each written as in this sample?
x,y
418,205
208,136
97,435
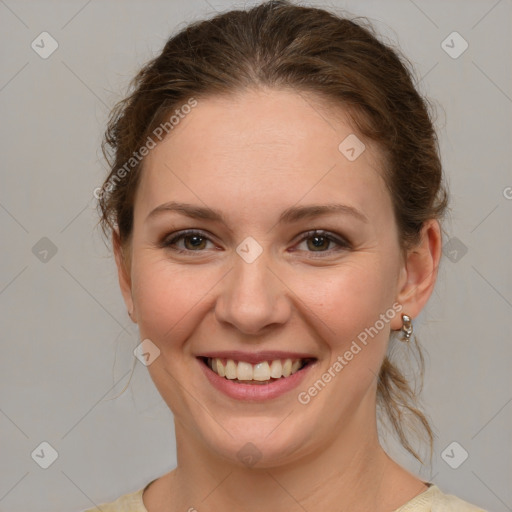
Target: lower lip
x,y
254,392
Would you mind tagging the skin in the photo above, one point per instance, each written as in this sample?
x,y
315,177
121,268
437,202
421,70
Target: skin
x,y
252,155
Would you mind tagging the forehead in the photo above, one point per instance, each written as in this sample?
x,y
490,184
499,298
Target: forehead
x,y
262,150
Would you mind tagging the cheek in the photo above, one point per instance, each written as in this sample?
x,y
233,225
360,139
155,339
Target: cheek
x,y
356,303
348,298
168,297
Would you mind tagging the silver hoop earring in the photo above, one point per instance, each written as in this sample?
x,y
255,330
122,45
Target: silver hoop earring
x,y
406,328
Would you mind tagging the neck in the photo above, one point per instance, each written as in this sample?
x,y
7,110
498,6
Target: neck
x,y
350,473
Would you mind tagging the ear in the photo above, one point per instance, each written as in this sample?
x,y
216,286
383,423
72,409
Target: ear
x,y
123,273
419,273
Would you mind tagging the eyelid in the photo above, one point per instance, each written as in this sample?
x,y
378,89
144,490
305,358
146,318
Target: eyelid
x,y
342,242
167,240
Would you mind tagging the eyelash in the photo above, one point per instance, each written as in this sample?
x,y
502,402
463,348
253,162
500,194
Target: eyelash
x,y
342,243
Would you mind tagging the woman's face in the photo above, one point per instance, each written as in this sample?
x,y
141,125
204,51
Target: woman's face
x,y
258,288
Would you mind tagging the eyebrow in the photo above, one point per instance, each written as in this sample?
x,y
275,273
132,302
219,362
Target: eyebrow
x,y
290,215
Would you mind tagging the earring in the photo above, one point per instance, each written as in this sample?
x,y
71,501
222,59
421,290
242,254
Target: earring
x,y
406,328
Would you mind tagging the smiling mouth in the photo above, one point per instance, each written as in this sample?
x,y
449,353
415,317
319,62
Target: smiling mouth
x,y
263,372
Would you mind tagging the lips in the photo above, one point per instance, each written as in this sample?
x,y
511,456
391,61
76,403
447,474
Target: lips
x,y
254,376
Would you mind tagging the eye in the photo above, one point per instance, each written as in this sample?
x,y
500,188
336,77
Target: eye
x,y
317,241
320,240
194,241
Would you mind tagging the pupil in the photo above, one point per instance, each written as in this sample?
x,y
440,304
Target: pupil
x,y
316,240
196,240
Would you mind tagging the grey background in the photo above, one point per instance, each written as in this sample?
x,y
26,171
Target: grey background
x,y
67,341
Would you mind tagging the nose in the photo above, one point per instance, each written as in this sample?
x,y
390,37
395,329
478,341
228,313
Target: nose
x,y
253,297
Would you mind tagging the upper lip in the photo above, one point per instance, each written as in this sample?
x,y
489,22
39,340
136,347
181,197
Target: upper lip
x,y
255,357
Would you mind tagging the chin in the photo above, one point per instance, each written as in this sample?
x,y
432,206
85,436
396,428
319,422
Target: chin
x,y
258,443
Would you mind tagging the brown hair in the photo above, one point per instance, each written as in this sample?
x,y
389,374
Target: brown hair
x,y
280,45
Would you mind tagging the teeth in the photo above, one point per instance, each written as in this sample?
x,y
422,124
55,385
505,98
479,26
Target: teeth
x,y
295,365
276,369
244,371
287,368
263,371
221,370
230,369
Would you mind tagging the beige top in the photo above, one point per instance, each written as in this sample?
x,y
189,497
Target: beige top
x,y
430,500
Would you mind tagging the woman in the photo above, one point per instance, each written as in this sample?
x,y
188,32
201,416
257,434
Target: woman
x,y
274,205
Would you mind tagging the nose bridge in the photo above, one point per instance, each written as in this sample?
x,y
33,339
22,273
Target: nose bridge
x,y
252,297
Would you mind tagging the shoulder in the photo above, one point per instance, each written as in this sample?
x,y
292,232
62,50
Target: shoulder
x,y
131,502
449,503
435,500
